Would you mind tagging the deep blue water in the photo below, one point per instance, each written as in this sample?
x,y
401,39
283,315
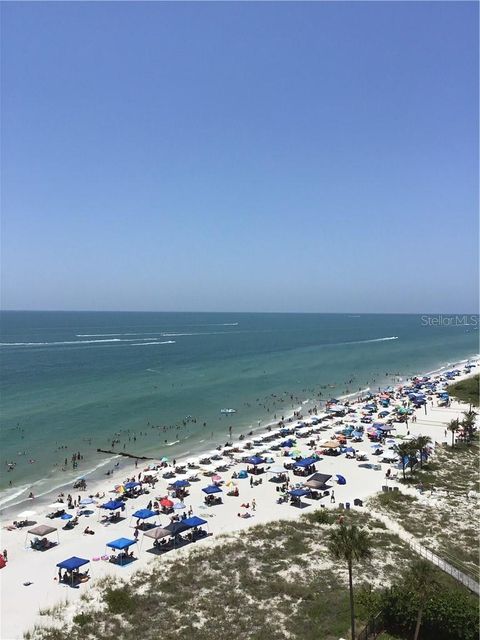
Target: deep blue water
x,y
76,379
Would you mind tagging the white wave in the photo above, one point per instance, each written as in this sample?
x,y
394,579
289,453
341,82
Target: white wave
x,y
173,335
380,339
145,344
36,344
65,482
16,494
354,393
101,335
74,342
170,444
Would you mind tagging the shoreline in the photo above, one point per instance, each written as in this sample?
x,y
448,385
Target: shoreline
x,y
38,569
94,477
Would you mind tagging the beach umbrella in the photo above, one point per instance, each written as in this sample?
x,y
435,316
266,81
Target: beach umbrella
x,y
376,446
179,506
66,516
216,478
341,479
87,501
165,502
231,483
350,450
164,459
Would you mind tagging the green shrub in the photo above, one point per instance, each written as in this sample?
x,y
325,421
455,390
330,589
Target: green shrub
x,y
82,619
119,601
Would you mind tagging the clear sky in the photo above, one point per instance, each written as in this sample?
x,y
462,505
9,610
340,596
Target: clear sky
x,y
240,156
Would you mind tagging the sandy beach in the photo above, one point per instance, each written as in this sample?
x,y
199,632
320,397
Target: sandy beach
x,y
29,582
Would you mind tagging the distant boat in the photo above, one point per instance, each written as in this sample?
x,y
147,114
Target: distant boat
x,y
228,411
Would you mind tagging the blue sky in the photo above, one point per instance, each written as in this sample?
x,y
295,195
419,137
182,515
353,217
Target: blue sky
x,y
240,156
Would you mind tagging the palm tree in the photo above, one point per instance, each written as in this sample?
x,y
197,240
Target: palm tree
x,y
422,579
468,423
404,451
421,443
349,543
453,426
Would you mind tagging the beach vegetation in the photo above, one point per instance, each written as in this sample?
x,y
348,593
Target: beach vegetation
x,y
83,618
349,543
423,602
466,390
453,426
468,423
421,578
267,582
119,600
406,452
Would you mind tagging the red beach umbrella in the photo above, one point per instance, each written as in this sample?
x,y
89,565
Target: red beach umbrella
x,y
165,502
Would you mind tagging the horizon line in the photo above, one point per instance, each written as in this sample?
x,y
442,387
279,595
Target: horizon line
x,y
358,313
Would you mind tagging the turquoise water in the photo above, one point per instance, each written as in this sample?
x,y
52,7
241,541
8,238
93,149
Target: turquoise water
x,y
76,379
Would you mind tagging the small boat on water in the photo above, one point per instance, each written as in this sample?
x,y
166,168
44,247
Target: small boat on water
x,y
228,411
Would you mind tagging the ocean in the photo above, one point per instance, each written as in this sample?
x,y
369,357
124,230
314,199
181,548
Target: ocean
x,y
154,384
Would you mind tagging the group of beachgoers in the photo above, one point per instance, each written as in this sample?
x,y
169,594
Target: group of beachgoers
x,y
125,440
289,455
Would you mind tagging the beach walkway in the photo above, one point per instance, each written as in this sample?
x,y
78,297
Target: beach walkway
x,y
467,580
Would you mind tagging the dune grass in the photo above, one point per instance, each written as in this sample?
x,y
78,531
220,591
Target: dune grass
x,y
271,581
466,390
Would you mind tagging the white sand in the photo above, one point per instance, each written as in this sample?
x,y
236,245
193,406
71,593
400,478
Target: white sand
x,y
21,604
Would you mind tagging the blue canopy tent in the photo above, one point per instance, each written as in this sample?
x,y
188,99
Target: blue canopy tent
x,y
341,479
287,443
113,505
180,484
212,489
144,514
298,493
194,521
131,485
121,544
176,528
306,462
256,460
72,564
